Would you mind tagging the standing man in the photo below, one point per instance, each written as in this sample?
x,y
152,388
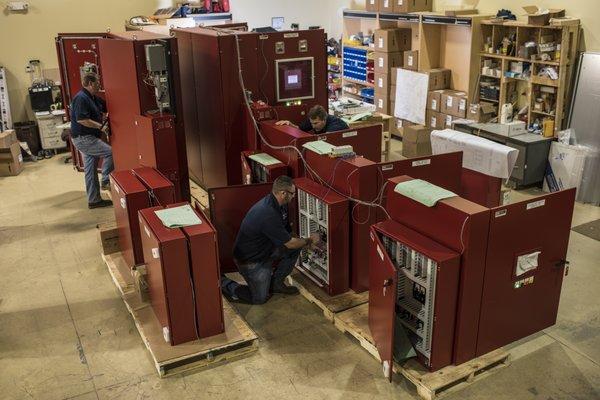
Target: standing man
x,y
318,122
265,241
88,122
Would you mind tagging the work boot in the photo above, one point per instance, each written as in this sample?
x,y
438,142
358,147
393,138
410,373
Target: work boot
x,y
99,204
105,186
284,289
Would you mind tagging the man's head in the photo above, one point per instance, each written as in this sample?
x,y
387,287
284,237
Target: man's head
x,y
91,83
318,118
284,189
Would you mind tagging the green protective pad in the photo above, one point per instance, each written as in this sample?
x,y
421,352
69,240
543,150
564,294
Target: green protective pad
x,y
264,159
178,217
319,146
423,192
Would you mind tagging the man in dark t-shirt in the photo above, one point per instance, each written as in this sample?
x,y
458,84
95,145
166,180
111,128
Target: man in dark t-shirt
x,y
264,240
318,122
88,122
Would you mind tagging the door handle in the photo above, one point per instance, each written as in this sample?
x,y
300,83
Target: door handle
x,y
563,264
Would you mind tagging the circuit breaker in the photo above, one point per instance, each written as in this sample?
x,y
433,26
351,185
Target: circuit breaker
x,y
414,284
324,212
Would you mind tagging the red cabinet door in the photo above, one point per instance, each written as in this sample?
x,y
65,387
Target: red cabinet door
x,y
382,300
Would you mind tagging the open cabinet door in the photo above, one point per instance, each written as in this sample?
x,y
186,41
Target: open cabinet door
x,y
382,301
228,207
525,264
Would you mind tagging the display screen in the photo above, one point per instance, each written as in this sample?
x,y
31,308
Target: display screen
x,y
295,79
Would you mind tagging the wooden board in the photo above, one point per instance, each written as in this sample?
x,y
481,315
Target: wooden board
x,y
429,385
199,197
330,305
238,340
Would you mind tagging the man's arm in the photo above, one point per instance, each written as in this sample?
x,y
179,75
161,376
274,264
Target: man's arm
x,y
299,243
286,122
337,124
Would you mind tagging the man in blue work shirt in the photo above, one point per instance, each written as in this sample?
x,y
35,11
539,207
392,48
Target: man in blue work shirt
x,y
88,122
318,122
265,240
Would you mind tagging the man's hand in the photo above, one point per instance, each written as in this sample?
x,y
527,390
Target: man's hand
x,y
106,128
285,122
315,238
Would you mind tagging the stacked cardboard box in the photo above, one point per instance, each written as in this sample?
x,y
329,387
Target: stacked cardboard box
x,y
389,47
11,160
399,6
411,60
444,105
416,141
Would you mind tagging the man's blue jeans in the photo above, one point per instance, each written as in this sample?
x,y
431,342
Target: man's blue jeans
x,y
93,148
260,278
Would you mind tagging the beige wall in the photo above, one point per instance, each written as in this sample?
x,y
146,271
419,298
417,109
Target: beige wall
x,y
30,36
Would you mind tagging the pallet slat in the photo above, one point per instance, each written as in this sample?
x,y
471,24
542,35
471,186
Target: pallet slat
x,y
238,340
429,385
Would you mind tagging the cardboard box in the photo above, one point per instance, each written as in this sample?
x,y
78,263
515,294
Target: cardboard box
x,y
394,75
372,5
481,112
382,82
386,5
384,62
109,239
11,153
439,78
392,107
539,17
393,93
382,103
401,124
405,6
392,39
11,160
416,141
411,60
7,138
434,99
454,103
435,120
448,121
514,128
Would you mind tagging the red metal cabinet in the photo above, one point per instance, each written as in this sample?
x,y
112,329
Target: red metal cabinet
x,y
157,147
160,189
228,207
414,283
255,172
129,196
525,261
480,188
463,227
322,211
204,263
169,278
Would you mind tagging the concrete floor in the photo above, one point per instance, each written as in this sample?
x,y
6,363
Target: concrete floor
x,y
65,333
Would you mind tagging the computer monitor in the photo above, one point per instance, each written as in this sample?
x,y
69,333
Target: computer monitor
x,y
277,23
295,79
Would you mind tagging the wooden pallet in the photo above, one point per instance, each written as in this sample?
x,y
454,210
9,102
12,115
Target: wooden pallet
x,y
330,305
429,385
238,340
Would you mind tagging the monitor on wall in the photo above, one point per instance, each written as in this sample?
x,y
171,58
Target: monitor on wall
x,y
295,79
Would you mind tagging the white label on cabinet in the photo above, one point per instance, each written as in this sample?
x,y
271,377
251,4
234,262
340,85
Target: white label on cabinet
x,y
420,163
500,213
380,252
536,204
123,203
147,231
155,252
387,167
349,134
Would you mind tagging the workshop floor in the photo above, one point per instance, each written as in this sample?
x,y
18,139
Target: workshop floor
x,y
65,333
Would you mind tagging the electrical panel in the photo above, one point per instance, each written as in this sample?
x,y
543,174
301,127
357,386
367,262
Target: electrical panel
x,y
414,293
261,167
158,74
413,286
326,213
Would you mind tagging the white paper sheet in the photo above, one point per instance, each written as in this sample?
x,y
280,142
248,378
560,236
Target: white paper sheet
x,y
411,95
479,154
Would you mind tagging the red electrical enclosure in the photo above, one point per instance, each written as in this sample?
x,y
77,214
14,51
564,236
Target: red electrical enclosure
x,y
255,170
365,141
363,180
480,188
322,211
157,148
462,226
413,286
129,196
160,189
217,130
204,263
169,279
228,207
525,263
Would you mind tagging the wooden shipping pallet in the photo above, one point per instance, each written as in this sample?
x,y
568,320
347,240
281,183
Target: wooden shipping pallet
x,y
429,385
330,305
238,340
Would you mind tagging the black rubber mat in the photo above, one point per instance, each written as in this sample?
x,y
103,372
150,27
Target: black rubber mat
x,y
591,229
